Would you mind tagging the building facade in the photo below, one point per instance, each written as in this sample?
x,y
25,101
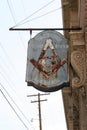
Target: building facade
x,y
75,97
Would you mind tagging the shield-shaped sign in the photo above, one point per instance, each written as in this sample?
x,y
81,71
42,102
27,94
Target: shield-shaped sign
x,y
47,61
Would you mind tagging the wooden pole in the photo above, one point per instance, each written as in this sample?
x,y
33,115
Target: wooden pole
x,y
39,106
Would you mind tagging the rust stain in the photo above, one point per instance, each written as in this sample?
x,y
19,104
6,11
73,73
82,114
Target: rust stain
x,y
48,65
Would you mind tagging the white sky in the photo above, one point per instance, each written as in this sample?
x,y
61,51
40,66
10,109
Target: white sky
x,y
13,58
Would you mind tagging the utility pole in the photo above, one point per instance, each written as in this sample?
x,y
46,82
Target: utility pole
x,y
39,106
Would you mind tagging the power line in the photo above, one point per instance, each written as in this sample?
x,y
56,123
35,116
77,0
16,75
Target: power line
x,y
10,68
35,18
7,66
33,13
11,11
12,14
14,110
10,61
22,3
12,98
7,80
15,103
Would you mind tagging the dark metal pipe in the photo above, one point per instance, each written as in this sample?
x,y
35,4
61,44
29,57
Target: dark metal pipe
x,y
39,29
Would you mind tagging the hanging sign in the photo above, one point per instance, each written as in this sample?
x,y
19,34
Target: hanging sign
x,y
47,61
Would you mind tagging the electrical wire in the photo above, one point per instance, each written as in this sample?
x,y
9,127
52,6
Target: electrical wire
x,y
23,21
10,61
52,11
22,3
10,85
7,80
14,109
11,11
10,67
11,97
33,13
15,104
7,66
12,14
13,90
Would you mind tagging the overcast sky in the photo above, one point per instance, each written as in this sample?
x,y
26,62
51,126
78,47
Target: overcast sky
x,y
16,110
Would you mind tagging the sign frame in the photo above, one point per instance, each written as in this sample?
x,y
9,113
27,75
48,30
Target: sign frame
x,y
50,42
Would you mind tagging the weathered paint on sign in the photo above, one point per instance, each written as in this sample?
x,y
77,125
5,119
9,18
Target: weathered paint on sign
x,y
47,61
